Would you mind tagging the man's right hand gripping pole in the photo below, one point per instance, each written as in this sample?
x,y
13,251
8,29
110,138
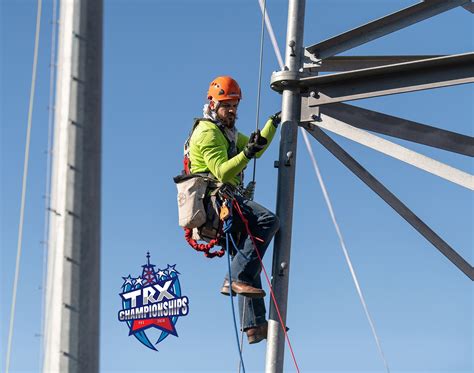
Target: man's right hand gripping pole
x,y
255,144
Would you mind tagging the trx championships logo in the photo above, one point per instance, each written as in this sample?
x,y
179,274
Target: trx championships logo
x,y
152,301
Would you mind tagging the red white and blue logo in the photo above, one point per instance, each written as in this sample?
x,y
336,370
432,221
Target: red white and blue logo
x,y
152,303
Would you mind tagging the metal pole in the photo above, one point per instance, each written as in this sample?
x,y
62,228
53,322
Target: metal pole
x,y
71,342
291,107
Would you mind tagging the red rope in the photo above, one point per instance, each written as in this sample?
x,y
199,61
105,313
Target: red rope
x,y
204,247
246,223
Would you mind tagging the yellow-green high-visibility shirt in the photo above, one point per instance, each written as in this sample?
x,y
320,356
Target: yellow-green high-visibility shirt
x,y
208,149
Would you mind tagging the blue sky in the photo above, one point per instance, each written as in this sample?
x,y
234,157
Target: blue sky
x,y
159,57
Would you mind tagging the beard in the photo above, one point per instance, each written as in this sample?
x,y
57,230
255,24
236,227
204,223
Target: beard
x,y
229,121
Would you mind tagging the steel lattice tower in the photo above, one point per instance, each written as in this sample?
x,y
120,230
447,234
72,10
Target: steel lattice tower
x,y
315,102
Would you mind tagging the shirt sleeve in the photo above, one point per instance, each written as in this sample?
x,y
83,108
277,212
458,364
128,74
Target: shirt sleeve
x,y
268,132
212,145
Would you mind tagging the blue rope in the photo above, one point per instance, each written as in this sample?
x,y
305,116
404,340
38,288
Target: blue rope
x,y
232,302
236,248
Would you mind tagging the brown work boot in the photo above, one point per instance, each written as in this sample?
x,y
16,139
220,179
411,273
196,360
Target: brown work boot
x,y
225,289
242,289
257,333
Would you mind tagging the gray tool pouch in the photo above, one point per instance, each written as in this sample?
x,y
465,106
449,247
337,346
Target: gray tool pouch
x,y
191,193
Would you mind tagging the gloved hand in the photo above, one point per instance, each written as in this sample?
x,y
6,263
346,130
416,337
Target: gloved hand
x,y
276,119
256,143
249,191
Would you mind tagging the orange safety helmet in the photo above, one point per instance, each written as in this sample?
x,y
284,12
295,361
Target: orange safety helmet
x,y
224,88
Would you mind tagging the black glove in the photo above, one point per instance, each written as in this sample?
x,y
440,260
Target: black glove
x,y
276,119
256,143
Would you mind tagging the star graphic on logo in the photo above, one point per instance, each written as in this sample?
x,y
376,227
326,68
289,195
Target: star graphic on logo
x,y
138,281
128,280
172,269
161,273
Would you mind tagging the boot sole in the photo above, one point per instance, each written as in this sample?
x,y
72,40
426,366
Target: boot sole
x,y
225,291
254,340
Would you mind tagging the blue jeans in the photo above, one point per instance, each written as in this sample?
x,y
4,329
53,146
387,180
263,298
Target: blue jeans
x,y
263,225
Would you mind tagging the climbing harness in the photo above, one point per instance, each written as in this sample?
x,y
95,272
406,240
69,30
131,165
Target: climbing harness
x,y
199,200
186,158
231,152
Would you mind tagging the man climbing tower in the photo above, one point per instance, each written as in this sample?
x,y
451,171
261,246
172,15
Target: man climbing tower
x,y
218,148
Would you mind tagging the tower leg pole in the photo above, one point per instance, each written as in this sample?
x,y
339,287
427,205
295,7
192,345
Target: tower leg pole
x,y
291,108
71,335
